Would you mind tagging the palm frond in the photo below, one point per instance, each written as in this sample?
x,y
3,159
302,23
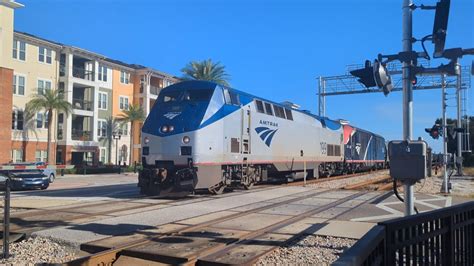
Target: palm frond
x,y
206,70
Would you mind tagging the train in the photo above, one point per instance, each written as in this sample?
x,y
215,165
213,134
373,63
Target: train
x,y
200,135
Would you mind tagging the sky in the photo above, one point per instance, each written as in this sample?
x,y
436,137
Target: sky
x,y
274,49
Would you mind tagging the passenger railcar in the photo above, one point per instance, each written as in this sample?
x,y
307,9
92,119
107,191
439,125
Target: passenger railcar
x,y
201,135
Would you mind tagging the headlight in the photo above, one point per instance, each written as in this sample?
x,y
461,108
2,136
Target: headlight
x,y
170,128
186,139
164,129
16,178
146,140
45,177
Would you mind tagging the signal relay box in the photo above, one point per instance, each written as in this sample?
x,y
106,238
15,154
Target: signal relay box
x,y
408,160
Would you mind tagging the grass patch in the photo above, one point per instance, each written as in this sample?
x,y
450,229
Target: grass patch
x,y
468,171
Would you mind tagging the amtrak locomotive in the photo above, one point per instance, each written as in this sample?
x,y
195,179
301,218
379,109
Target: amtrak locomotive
x,y
203,136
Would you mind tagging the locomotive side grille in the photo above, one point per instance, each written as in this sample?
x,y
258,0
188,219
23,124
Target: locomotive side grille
x,y
330,150
234,145
337,150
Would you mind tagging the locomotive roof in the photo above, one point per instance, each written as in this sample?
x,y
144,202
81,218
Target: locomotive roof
x,y
202,84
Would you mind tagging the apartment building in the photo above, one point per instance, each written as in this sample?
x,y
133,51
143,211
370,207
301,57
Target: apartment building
x,y
98,88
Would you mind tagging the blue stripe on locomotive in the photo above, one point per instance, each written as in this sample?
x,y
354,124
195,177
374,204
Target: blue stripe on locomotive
x,y
190,115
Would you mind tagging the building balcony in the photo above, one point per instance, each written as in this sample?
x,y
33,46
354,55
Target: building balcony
x,y
81,73
82,135
155,90
81,104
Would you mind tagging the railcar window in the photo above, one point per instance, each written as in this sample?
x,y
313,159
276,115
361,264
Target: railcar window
x,y
260,108
289,115
268,109
279,111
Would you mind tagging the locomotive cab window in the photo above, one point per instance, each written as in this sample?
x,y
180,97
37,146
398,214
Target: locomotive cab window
x,y
279,111
259,105
231,97
289,115
198,95
268,109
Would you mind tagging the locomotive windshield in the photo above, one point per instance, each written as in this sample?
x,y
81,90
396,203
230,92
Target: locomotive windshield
x,y
200,95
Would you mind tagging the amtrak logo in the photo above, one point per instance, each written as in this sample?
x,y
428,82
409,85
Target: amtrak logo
x,y
266,134
171,115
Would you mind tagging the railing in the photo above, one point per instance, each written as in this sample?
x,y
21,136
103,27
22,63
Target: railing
x,y
62,70
82,104
79,72
442,237
77,134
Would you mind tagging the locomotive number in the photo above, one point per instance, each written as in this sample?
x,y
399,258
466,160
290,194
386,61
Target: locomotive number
x,y
324,147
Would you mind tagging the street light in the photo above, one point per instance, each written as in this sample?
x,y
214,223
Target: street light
x,y
116,136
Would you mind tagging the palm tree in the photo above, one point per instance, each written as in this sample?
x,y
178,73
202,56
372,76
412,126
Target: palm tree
x,y
112,126
134,114
29,124
206,70
48,102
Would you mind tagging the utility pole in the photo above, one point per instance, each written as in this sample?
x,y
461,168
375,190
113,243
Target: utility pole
x,y
459,122
407,37
444,187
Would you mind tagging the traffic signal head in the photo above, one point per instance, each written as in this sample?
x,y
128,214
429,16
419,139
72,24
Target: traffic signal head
x,y
440,26
365,75
374,76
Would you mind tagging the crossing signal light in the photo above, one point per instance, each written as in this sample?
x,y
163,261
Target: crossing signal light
x,y
375,75
434,132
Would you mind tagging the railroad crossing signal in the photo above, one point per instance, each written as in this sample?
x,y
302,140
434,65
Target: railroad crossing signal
x,y
440,27
435,131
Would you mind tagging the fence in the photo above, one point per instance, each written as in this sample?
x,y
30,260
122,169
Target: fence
x,y
440,237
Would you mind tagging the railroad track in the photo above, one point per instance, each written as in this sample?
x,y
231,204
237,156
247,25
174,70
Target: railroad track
x,y
327,179
220,241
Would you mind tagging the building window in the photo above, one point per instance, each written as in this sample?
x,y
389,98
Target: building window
x,y
43,85
103,155
124,129
102,73
17,120
102,101
19,85
124,77
42,120
45,55
17,156
102,128
19,50
123,103
41,155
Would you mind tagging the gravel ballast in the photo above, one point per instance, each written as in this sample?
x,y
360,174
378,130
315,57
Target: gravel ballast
x,y
340,183
35,250
308,250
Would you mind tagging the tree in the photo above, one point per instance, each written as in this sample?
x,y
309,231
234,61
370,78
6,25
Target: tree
x,y
206,70
28,125
134,114
452,142
48,102
112,127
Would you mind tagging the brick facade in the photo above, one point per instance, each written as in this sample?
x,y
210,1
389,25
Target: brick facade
x,y
30,147
6,103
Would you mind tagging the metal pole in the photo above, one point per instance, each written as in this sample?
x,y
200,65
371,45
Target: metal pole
x,y
116,151
444,187
6,220
459,122
407,95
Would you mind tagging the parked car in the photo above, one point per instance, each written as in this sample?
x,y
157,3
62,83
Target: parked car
x,y
51,173
28,179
